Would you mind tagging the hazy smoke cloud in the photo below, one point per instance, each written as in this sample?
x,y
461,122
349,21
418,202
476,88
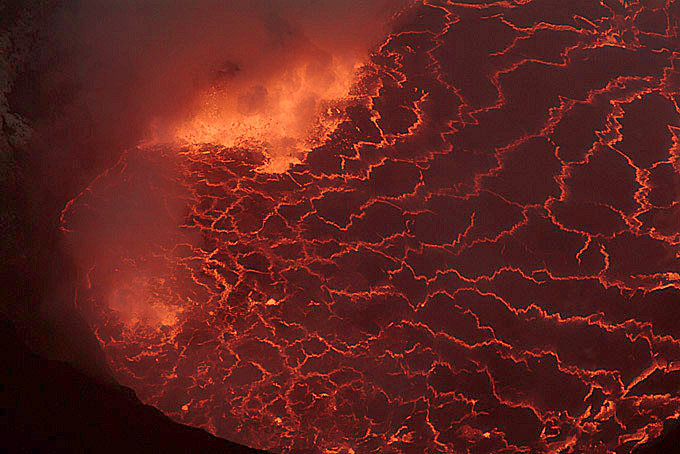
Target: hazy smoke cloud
x,y
140,66
144,63
114,71
146,67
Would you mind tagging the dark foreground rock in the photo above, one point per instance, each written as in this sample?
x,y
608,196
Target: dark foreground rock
x,y
49,406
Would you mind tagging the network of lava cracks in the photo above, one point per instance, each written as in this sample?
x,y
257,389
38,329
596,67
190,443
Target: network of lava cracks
x,y
483,257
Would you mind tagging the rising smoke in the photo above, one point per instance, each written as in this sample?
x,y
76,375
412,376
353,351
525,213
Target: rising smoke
x,y
120,73
160,71
156,69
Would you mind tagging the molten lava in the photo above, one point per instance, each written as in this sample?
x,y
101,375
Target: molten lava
x,y
477,251
282,115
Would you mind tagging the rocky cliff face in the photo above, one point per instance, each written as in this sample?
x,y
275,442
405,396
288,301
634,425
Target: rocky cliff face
x,y
16,29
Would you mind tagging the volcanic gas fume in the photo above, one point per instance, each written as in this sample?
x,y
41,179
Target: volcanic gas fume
x,y
266,73
476,251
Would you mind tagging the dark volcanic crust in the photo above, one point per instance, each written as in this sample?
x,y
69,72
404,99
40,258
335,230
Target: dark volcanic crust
x,y
482,258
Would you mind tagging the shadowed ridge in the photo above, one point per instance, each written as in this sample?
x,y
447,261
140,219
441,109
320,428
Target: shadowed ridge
x,y
49,406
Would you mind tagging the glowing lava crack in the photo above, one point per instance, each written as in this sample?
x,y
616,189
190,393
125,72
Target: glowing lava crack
x,y
481,257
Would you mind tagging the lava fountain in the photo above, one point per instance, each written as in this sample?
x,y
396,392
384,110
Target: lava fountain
x,y
283,115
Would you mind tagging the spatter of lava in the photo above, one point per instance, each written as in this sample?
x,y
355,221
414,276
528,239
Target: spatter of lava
x,y
483,257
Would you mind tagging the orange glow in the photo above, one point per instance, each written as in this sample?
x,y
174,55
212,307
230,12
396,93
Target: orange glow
x,y
282,114
139,304
476,234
